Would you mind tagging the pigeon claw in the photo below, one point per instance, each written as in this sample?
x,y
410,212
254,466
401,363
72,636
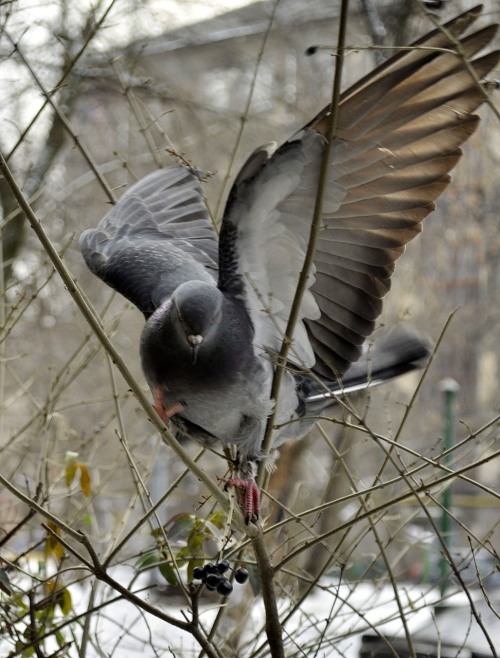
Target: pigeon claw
x,y
165,413
250,496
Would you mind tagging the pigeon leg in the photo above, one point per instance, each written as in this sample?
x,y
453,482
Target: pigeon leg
x,y
165,413
250,494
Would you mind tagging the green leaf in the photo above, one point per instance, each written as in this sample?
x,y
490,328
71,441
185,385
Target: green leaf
x,y
212,531
182,556
17,601
29,651
253,577
169,574
5,582
60,639
148,559
218,519
180,525
195,542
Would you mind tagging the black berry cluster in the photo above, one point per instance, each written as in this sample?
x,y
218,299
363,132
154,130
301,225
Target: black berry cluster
x,y
212,576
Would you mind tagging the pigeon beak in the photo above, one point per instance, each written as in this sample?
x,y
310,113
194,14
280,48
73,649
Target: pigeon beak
x,y
195,340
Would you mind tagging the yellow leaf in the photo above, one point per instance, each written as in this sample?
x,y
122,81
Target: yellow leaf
x,y
64,601
58,550
52,546
70,472
70,466
50,586
84,480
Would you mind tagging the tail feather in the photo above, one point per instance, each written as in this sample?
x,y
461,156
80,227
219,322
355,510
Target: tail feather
x,y
395,353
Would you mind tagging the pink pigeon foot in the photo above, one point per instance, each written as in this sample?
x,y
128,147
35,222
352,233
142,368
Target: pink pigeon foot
x,y
165,413
250,499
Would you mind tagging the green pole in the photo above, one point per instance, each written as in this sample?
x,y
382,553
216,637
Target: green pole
x,y
449,388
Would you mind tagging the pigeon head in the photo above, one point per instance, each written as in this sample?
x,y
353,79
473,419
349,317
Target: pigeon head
x,y
197,307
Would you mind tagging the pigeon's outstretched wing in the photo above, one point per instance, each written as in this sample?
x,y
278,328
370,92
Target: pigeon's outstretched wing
x,y
398,135
156,237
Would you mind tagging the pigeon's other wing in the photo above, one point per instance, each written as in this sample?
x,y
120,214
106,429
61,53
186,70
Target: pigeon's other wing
x,y
263,240
157,236
398,135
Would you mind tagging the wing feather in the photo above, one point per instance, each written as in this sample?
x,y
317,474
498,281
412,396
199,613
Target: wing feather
x,y
158,235
399,134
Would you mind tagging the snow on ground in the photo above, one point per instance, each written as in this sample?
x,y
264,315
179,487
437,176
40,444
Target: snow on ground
x,y
340,613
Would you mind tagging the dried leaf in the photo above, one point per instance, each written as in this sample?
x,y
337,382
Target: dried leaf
x,y
84,479
50,586
52,546
70,472
64,601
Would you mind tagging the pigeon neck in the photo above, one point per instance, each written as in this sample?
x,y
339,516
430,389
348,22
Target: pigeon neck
x,y
225,352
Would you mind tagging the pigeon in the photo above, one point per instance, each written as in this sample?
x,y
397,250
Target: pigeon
x,y
217,307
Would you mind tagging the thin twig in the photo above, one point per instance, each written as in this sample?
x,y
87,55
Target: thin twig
x,y
458,50
95,26
304,277
246,112
458,576
421,489
66,123
267,572
102,574
267,575
136,526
